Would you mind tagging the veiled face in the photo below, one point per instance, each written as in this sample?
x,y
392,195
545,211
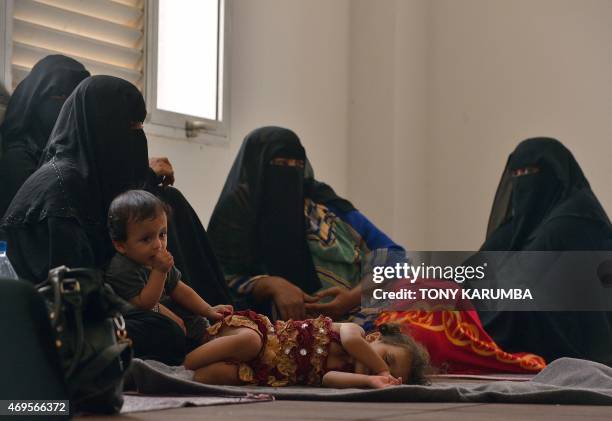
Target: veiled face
x,y
520,172
35,104
287,162
47,112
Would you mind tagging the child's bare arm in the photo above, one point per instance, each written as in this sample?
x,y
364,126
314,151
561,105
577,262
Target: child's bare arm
x,y
152,291
218,373
353,342
184,295
240,344
342,380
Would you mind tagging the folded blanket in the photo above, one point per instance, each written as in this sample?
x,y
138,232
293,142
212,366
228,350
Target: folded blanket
x,y
565,381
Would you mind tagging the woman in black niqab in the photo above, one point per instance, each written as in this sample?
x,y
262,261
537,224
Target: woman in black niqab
x,y
277,239
545,203
30,116
96,151
543,184
259,226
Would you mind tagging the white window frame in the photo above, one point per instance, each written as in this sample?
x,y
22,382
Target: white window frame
x,y
173,125
159,122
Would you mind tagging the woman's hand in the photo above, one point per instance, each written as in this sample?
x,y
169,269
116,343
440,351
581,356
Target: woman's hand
x,y
344,301
163,169
288,298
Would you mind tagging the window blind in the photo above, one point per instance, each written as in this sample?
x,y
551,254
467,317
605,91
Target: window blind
x,y
107,36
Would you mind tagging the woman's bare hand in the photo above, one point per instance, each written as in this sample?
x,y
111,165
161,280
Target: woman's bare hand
x,y
288,298
342,303
162,167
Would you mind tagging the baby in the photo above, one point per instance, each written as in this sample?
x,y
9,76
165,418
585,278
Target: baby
x,y
246,348
143,272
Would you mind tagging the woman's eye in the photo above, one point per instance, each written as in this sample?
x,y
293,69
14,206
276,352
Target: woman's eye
x,y
162,235
146,239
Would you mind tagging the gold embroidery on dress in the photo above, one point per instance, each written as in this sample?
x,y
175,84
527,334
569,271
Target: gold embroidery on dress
x,y
278,354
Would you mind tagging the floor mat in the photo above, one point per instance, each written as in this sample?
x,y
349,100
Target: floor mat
x,y
139,403
438,378
565,381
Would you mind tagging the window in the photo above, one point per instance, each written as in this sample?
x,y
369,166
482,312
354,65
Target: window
x,y
186,85
173,51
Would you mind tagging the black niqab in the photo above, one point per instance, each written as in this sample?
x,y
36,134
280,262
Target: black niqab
x,y
525,204
93,154
258,222
553,209
58,217
30,116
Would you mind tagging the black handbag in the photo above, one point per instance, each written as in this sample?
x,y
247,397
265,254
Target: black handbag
x,y
90,338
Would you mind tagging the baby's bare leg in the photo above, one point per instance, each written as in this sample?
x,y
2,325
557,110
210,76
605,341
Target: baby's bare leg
x,y
218,373
237,344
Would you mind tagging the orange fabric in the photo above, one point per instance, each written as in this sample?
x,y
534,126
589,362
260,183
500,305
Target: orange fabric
x,y
458,343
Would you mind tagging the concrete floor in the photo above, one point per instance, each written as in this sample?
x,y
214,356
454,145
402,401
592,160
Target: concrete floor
x,y
315,411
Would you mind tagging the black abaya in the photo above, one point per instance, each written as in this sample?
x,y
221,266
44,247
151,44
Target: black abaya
x,y
30,116
548,207
258,225
58,217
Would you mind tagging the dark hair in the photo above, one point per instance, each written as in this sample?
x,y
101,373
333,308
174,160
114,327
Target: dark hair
x,y
133,206
391,333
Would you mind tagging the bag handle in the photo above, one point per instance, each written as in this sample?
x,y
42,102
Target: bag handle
x,y
52,282
71,290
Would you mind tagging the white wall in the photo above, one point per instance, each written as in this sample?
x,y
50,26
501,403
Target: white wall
x,y
388,115
289,67
503,71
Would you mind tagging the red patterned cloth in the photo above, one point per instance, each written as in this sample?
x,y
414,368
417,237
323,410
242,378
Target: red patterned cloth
x,y
293,352
457,342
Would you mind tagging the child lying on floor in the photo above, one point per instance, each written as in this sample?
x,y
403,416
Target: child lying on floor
x,y
246,348
143,272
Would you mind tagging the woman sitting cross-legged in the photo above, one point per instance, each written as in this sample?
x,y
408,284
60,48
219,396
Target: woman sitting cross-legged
x,y
283,237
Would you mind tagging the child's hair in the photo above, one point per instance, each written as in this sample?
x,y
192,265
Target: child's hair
x,y
133,206
391,333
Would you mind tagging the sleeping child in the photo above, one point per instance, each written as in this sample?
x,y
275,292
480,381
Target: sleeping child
x,y
246,348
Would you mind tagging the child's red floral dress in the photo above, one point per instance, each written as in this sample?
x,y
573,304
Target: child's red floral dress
x,y
293,352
